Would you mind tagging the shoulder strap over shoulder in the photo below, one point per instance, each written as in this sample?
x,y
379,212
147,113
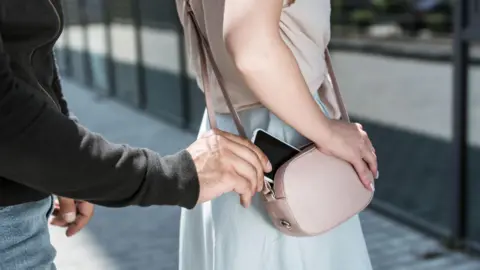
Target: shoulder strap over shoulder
x,y
336,88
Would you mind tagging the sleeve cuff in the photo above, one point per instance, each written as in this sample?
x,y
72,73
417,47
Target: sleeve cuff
x,y
189,186
181,185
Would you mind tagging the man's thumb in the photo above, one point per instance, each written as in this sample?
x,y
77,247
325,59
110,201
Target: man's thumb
x,y
68,209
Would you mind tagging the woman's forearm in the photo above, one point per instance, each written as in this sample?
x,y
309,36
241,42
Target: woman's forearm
x,y
270,70
252,37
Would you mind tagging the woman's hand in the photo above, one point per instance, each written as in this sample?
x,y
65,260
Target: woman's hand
x,y
350,142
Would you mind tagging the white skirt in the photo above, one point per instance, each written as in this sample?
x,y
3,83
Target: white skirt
x,y
222,235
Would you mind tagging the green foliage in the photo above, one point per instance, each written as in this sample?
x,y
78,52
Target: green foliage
x,y
381,4
362,16
435,18
437,22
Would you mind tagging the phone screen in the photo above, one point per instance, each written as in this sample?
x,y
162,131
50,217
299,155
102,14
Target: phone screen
x,y
277,151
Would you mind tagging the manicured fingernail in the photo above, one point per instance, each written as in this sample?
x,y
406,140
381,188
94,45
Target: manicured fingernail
x,y
372,186
378,175
69,217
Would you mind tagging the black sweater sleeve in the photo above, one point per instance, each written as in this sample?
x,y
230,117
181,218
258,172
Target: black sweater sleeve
x,y
57,89
44,149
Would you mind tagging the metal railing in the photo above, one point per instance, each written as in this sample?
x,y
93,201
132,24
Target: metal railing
x,y
467,31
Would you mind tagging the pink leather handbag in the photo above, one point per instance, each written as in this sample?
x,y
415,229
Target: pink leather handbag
x,y
313,192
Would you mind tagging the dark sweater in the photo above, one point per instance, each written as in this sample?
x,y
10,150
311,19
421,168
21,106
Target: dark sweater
x,y
43,151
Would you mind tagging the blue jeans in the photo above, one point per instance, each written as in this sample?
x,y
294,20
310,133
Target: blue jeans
x,y
24,237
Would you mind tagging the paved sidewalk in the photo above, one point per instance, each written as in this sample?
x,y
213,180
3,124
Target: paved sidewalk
x,y
146,238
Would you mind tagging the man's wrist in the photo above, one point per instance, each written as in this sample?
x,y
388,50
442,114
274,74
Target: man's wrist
x,y
188,182
175,180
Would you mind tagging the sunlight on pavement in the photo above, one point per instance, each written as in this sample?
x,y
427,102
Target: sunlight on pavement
x,y
79,252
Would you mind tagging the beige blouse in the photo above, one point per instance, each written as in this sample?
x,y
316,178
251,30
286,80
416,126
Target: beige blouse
x,y
305,27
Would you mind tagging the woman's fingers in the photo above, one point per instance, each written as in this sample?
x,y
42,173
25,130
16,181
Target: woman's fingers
x,y
363,172
369,156
366,160
351,143
368,152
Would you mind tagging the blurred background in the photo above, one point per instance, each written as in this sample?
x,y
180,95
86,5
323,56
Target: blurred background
x,y
409,72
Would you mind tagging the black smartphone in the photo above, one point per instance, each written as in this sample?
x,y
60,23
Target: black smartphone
x,y
277,151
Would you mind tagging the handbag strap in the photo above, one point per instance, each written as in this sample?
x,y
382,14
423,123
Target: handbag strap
x,y
205,53
336,88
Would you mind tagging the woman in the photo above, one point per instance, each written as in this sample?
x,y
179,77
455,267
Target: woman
x,y
271,57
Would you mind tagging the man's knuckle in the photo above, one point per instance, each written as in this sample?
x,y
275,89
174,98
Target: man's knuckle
x,y
232,173
216,138
252,147
223,142
228,168
223,152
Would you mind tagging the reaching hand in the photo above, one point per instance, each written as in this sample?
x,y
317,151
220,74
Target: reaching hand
x,y
226,162
350,142
71,214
